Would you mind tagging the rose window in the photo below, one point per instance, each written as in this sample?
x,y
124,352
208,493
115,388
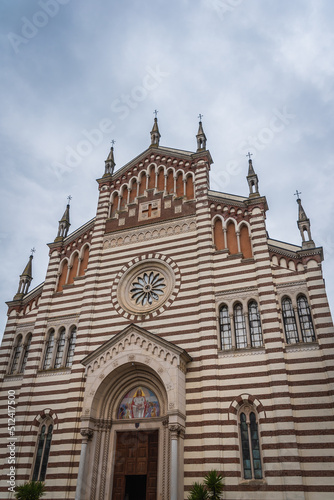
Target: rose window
x,y
147,287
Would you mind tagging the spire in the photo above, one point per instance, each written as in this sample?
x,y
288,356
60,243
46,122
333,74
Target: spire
x,y
110,162
25,278
155,134
252,179
201,137
64,223
304,225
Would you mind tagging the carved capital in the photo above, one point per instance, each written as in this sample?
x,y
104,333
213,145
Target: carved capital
x,y
176,430
86,434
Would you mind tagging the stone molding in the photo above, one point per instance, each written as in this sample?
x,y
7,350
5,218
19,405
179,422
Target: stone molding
x,y
143,234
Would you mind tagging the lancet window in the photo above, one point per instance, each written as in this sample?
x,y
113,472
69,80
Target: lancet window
x,y
250,444
42,451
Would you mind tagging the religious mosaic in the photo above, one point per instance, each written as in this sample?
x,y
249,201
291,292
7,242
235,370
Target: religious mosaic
x,y
140,402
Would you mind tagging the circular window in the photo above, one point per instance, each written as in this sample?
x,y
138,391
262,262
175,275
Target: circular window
x,y
146,287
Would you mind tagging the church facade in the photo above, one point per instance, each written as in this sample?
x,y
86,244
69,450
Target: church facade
x,y
171,336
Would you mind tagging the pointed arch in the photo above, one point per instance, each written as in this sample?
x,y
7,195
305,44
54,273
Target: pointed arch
x,y
218,234
232,243
63,275
245,242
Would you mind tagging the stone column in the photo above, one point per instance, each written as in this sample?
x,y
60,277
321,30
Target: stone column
x,y
86,436
175,432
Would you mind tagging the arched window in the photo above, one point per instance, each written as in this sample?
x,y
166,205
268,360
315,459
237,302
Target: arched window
x,y
254,324
225,328
74,268
16,355
232,243
26,352
133,192
218,235
124,199
289,321
190,188
71,347
240,327
142,185
305,319
114,206
151,180
60,348
170,182
250,444
179,185
161,180
245,243
84,261
43,451
63,276
49,350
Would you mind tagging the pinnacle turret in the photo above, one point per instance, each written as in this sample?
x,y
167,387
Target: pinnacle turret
x,y
155,134
252,179
304,225
110,162
64,223
201,137
25,279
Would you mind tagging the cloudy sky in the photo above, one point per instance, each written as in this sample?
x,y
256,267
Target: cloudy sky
x,y
77,74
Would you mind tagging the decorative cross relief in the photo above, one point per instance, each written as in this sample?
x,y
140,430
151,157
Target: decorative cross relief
x,y
149,210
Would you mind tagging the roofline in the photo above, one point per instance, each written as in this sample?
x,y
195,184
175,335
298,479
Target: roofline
x,y
235,197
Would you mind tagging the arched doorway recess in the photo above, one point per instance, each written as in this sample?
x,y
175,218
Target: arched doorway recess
x,y
133,359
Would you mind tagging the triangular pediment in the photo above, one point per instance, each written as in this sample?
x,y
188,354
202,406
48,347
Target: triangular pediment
x,y
143,339
159,154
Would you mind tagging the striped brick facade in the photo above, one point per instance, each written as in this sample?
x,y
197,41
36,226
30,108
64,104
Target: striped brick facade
x,y
175,348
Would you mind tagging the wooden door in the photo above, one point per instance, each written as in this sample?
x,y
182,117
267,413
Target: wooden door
x,y
136,454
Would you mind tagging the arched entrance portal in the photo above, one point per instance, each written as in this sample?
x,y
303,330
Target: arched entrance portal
x,y
133,419
136,457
